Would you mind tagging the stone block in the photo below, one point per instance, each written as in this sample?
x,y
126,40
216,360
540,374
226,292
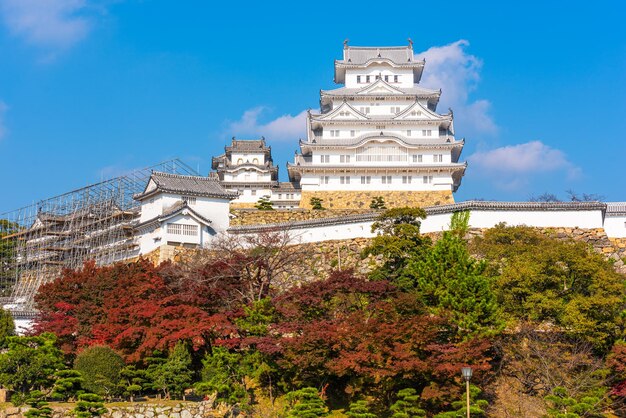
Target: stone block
x,y
362,199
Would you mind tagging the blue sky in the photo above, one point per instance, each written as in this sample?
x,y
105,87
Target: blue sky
x,y
92,88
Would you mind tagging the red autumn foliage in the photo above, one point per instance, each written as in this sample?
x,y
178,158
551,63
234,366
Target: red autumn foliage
x,y
366,334
134,308
616,361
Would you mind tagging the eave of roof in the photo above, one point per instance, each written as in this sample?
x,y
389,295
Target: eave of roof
x,y
172,212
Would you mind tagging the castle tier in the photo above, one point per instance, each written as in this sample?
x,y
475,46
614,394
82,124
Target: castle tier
x,y
378,135
246,167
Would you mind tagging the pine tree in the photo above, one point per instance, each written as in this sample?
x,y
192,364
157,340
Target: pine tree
x,y
174,375
378,203
89,405
38,406
306,403
449,280
477,406
407,405
67,385
264,203
132,381
360,409
316,203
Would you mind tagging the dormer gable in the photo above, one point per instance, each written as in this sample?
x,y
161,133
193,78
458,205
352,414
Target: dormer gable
x,y
417,111
380,86
345,111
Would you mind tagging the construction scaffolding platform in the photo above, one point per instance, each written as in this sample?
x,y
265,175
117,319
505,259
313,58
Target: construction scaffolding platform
x,y
95,222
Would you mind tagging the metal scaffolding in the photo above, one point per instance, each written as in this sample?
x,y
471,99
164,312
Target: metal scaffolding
x,y
92,223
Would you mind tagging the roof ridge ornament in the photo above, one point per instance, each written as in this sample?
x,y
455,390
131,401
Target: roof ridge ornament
x,y
410,43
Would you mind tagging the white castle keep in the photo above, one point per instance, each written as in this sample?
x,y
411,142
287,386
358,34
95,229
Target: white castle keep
x,y
378,135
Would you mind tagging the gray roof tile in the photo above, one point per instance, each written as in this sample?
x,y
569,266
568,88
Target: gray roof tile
x,y
360,55
190,185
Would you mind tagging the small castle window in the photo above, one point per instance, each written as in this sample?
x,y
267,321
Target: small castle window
x,y
240,161
255,161
190,200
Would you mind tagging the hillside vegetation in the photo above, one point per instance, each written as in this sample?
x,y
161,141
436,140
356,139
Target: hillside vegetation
x,y
539,320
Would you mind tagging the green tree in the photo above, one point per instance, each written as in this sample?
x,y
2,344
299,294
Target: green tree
x,y
100,367
226,373
407,405
378,203
316,203
306,403
132,381
173,375
477,406
450,280
38,406
561,405
89,405
544,279
29,363
264,203
398,240
360,409
68,385
7,327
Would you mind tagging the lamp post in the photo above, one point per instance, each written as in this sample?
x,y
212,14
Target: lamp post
x,y
467,375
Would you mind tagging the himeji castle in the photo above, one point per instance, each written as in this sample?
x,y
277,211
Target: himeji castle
x,y
378,135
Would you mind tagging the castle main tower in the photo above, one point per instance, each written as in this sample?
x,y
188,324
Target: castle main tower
x,y
378,135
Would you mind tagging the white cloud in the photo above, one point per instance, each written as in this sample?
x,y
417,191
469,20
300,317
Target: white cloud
x,y
285,127
51,24
3,109
457,73
512,166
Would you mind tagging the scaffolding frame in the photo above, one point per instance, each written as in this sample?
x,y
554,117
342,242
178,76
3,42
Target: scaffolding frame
x,y
95,222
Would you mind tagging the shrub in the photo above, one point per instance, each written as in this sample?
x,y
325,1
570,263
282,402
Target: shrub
x,y
100,367
89,405
264,203
316,203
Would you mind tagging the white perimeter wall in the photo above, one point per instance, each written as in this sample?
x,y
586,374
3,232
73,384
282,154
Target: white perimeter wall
x,y
615,226
439,222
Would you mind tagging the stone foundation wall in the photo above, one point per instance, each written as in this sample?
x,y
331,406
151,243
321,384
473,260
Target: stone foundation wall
x,y
138,410
362,199
249,205
279,216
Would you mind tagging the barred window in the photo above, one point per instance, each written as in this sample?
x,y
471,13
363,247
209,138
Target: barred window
x,y
190,230
190,200
180,229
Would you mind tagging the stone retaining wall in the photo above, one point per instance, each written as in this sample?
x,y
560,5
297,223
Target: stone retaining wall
x,y
279,216
362,199
138,410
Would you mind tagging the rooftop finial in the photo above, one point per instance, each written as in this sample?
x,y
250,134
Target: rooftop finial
x,y
345,43
410,43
